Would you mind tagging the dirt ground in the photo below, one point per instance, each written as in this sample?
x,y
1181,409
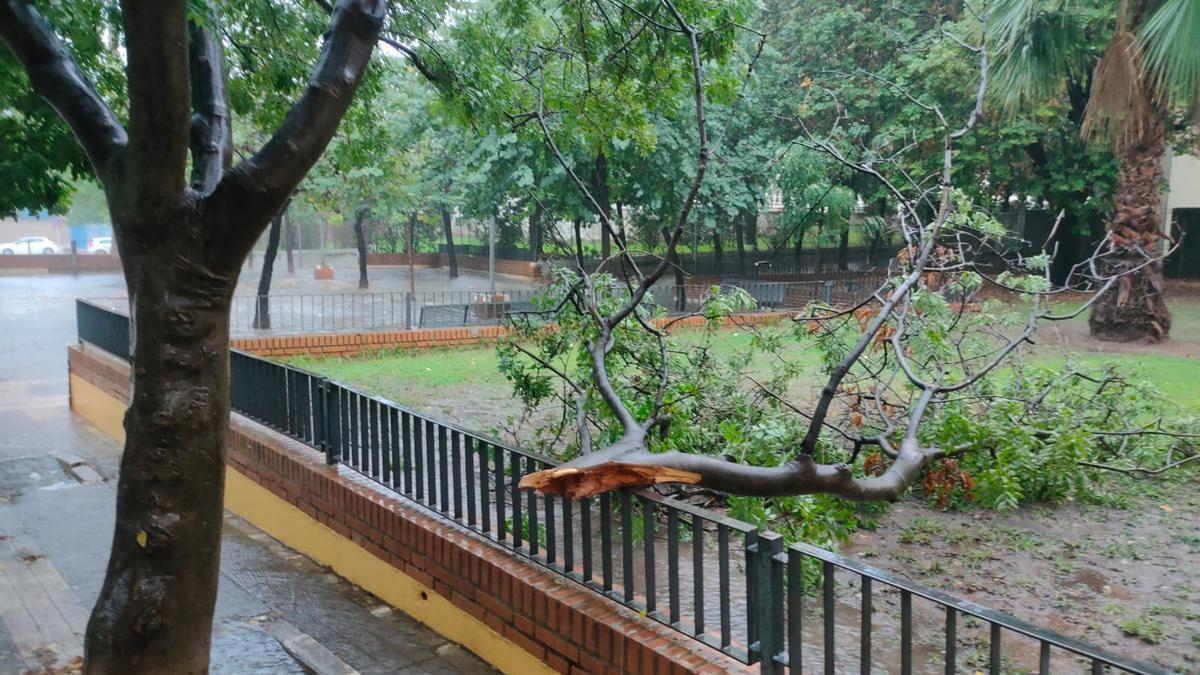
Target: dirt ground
x,y
1122,578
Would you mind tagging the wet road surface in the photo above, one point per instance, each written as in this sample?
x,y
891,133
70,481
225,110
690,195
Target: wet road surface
x,y
55,531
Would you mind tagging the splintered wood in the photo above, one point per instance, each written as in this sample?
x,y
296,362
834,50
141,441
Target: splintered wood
x,y
576,483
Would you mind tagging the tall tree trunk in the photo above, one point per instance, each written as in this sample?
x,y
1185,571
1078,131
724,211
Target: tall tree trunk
x,y
740,235
578,224
154,613
799,251
718,249
360,241
448,230
1134,309
289,227
410,247
600,194
680,289
752,230
844,250
262,301
535,232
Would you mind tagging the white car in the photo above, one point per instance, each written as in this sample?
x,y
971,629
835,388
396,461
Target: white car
x,y
30,246
98,245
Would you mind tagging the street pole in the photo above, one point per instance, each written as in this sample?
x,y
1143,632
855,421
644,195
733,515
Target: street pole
x,y
492,255
412,281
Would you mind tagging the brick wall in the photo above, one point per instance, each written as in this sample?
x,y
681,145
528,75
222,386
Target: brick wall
x,y
60,263
350,344
419,260
570,628
519,268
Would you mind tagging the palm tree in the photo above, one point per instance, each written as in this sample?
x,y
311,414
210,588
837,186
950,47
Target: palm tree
x,y
1147,72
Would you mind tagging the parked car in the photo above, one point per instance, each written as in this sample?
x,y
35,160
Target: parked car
x,y
98,245
30,246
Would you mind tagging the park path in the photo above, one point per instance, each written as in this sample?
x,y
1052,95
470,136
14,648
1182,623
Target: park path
x,y
56,523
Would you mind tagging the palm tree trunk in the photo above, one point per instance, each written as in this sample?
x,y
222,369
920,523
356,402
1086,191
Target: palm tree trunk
x,y
1134,309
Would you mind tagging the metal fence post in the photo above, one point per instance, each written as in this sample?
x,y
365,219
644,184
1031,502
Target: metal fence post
x,y
828,292
328,422
408,311
766,607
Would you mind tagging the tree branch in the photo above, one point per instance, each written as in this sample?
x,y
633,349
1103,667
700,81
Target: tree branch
x,y
56,77
598,472
156,41
263,181
212,137
409,53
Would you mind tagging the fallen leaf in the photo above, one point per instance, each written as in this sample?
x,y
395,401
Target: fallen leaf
x,y
1167,508
141,538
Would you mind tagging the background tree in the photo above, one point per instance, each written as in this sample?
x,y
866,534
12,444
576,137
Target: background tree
x,y
893,61
40,157
183,242
814,199
1148,69
262,302
87,203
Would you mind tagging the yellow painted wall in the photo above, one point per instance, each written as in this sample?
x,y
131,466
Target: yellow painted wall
x,y
293,527
98,407
354,563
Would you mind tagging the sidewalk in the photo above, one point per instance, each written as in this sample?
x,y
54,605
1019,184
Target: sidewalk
x,y
55,533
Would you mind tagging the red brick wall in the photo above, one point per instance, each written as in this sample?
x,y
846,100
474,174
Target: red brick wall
x,y
350,344
419,260
520,268
60,263
572,629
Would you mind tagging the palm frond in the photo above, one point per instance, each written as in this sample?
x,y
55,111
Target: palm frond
x,y
1119,107
1033,46
1169,40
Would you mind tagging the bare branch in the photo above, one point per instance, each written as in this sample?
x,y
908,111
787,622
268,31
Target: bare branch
x,y
1139,470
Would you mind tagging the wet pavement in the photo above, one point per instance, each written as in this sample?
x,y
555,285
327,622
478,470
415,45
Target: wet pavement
x,y
55,531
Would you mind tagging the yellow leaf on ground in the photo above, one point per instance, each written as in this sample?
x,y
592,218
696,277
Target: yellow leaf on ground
x,y
141,538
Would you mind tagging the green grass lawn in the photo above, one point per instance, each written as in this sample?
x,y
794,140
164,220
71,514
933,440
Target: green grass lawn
x,y
444,380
